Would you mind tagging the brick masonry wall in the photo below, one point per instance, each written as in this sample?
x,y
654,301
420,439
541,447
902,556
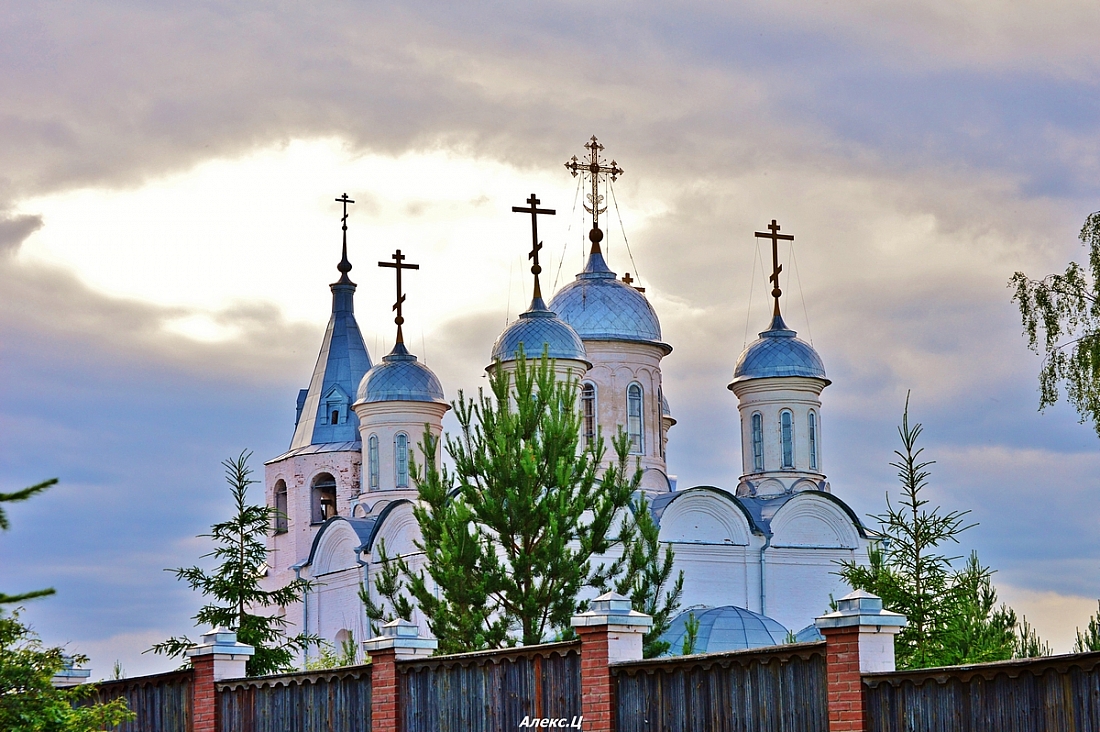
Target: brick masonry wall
x,y
203,696
384,702
597,684
844,685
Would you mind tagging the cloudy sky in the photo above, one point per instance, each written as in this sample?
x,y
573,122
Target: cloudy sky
x,y
168,232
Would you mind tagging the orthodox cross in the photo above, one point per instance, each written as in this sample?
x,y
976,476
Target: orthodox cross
x,y
630,281
775,236
594,168
345,265
536,245
398,264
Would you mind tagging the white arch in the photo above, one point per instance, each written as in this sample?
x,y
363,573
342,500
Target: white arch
x,y
704,517
809,519
336,547
399,530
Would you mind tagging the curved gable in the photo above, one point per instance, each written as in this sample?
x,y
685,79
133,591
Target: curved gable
x,y
336,548
704,516
397,527
817,520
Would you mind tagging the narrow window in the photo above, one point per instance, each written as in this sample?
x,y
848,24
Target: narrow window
x,y
813,441
324,498
757,442
282,522
401,459
787,435
661,420
335,416
588,405
634,422
372,460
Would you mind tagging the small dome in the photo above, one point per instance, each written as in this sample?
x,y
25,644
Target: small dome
x,y
536,329
601,308
400,378
777,352
726,628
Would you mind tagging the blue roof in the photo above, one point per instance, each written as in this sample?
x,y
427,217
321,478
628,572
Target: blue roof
x,y
726,628
777,352
536,330
340,367
400,378
601,308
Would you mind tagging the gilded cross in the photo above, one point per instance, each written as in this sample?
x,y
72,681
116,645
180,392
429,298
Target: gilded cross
x,y
775,236
398,264
630,281
536,245
345,265
594,168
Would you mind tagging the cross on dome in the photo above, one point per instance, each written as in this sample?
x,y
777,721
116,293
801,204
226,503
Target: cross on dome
x,y
398,264
775,236
536,245
594,168
630,281
345,265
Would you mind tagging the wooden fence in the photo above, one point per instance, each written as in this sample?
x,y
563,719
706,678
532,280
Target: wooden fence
x,y
780,689
492,691
1058,693
162,702
334,700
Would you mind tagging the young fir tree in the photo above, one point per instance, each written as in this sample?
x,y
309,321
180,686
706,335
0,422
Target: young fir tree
x,y
509,536
977,630
22,495
647,571
234,585
1090,639
1028,642
391,587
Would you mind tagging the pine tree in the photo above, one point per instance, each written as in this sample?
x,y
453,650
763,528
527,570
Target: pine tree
x,y
1028,642
1090,639
234,585
509,536
391,587
22,495
647,569
977,630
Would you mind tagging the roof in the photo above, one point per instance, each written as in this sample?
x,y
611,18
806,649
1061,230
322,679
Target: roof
x,y
349,446
341,364
366,529
601,308
400,378
726,628
778,352
537,330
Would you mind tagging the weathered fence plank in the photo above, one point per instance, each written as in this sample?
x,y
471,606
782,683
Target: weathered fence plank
x,y
162,702
492,691
334,700
780,689
1025,695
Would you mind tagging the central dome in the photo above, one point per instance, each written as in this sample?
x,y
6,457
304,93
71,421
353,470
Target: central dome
x,y
601,308
400,378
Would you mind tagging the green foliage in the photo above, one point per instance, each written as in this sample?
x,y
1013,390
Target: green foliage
x,y
1028,643
953,615
28,700
390,586
346,654
691,635
1090,639
509,535
647,569
22,495
1063,312
235,584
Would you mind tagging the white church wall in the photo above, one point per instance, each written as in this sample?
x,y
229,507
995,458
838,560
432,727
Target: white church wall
x,y
770,397
386,420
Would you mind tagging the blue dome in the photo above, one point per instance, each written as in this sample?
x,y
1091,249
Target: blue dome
x,y
726,628
400,378
601,308
536,329
777,352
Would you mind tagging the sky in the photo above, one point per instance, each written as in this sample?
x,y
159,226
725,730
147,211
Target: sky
x,y
168,232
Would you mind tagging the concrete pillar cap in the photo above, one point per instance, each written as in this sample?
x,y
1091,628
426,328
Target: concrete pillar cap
x,y
862,609
612,609
221,642
403,637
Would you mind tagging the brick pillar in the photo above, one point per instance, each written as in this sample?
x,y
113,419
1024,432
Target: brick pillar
x,y
400,640
859,639
609,632
218,657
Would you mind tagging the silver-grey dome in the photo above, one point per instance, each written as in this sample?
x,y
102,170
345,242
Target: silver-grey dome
x,y
726,628
538,329
601,308
400,378
777,352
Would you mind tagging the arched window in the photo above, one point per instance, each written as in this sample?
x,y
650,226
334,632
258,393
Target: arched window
x,y
757,442
335,416
813,441
588,408
635,426
282,522
324,498
372,461
786,434
401,459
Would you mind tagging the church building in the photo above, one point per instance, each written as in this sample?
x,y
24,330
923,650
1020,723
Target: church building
x,y
758,558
